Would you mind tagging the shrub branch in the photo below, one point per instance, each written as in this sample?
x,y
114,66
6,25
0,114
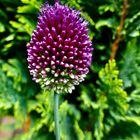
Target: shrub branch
x,y
115,44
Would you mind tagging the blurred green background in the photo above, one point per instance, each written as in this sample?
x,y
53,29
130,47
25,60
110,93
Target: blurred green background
x,y
106,106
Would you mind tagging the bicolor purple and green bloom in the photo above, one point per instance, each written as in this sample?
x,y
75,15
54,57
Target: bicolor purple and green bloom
x,y
59,52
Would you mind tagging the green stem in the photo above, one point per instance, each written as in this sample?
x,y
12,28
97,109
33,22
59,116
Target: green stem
x,y
56,116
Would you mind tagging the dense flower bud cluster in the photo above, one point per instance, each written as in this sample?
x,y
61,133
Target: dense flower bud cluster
x,y
60,51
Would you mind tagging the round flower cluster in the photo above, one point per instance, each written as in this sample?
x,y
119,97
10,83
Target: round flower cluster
x,y
59,52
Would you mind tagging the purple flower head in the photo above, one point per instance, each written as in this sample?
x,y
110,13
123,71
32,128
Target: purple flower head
x,y
59,52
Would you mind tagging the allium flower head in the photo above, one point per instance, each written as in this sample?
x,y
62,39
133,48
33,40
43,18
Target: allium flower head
x,y
59,52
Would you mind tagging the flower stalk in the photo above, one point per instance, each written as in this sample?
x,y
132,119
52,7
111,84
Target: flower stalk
x,y
56,116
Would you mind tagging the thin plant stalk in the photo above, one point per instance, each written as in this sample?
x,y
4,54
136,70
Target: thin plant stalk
x,y
56,116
